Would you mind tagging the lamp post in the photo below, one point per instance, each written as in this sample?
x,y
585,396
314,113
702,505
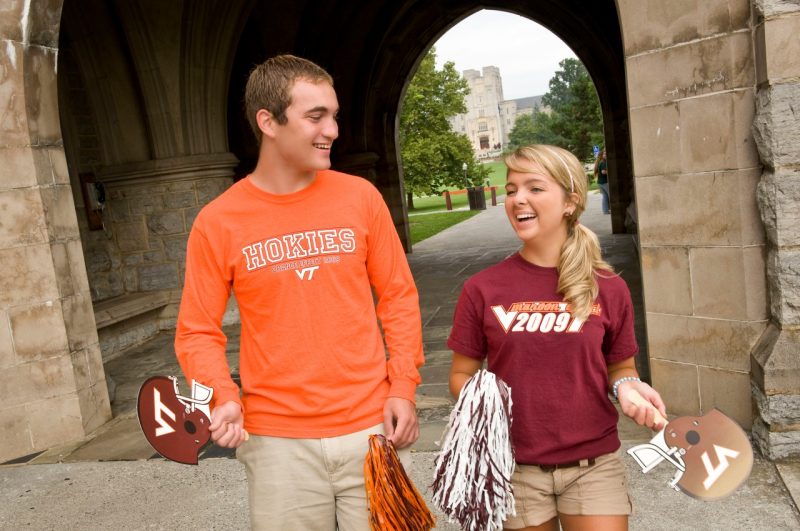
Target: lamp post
x,y
466,183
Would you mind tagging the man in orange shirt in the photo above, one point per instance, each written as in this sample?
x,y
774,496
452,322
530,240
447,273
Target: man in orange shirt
x,y
303,248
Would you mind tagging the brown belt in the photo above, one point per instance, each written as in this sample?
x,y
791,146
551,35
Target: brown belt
x,y
582,462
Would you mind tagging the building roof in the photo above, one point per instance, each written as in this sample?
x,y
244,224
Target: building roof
x,y
528,103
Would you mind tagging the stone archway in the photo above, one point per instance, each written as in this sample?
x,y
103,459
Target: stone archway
x,y
683,88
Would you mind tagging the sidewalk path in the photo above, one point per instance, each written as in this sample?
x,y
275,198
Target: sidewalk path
x,y
111,480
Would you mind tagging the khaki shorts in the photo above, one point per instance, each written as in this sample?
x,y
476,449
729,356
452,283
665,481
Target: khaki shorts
x,y
599,489
309,483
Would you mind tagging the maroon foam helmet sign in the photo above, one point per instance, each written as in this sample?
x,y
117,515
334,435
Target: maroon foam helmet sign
x,y
711,454
175,426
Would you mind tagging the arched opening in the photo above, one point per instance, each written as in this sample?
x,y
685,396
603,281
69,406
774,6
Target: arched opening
x,y
619,242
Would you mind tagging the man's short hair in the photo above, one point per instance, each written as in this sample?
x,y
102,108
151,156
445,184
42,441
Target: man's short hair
x,y
270,83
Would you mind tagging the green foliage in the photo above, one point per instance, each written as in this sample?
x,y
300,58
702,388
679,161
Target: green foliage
x,y
576,117
433,155
426,225
533,129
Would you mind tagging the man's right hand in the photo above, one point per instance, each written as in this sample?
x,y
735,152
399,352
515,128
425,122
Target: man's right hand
x,y
227,425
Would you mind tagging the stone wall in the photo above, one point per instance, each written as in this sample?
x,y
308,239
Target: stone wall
x,y
776,358
691,84
53,386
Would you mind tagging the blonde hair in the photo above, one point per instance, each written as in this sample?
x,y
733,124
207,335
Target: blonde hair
x,y
270,84
580,257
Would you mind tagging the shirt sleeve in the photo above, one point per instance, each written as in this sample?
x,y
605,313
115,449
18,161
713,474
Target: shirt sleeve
x,y
199,340
619,342
467,336
398,300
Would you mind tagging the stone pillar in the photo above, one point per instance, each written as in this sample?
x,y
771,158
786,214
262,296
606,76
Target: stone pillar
x,y
691,88
52,388
776,358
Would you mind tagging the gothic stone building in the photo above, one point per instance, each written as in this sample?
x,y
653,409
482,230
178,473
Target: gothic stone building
x,y
144,96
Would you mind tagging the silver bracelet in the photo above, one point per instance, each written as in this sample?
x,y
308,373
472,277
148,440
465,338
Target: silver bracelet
x,y
616,385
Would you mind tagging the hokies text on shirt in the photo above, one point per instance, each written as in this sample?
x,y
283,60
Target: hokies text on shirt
x,y
299,245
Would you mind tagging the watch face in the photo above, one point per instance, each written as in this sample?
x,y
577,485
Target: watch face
x,y
175,428
716,451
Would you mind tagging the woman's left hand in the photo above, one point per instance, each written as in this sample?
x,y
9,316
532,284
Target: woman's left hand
x,y
649,412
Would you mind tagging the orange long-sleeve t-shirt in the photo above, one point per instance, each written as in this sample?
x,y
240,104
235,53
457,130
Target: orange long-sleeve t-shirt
x,y
303,268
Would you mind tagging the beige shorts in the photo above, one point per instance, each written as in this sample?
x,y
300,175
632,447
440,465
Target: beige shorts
x,y
309,483
599,489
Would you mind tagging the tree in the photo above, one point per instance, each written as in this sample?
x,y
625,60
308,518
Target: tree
x,y
533,128
575,116
433,154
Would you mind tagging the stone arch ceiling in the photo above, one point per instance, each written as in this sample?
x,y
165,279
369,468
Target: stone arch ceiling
x,y
372,48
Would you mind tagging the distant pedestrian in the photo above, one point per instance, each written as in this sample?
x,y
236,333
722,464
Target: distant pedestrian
x,y
556,324
601,175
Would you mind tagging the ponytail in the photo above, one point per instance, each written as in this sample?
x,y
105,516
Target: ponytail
x,y
580,260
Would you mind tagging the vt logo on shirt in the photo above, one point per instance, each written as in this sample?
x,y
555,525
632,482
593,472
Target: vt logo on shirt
x,y
302,252
540,316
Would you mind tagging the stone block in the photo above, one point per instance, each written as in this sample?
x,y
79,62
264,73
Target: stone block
x,y
16,433
778,197
58,160
55,421
38,331
210,188
781,48
62,268
189,214
131,236
41,101
775,366
10,17
37,380
14,120
678,385
27,276
165,223
655,132
777,409
95,406
175,200
23,218
716,64
653,24
118,211
728,391
7,358
716,343
775,128
175,249
44,20
784,286
59,209
158,277
776,445
771,8
80,280
718,208
79,321
147,204
666,280
20,167
715,132
729,283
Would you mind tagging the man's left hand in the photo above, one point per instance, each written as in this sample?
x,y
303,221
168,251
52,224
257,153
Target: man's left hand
x,y
400,423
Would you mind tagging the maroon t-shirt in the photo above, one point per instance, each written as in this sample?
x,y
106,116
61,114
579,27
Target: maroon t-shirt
x,y
555,365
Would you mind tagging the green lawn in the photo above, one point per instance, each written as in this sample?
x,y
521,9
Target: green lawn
x,y
426,225
436,203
